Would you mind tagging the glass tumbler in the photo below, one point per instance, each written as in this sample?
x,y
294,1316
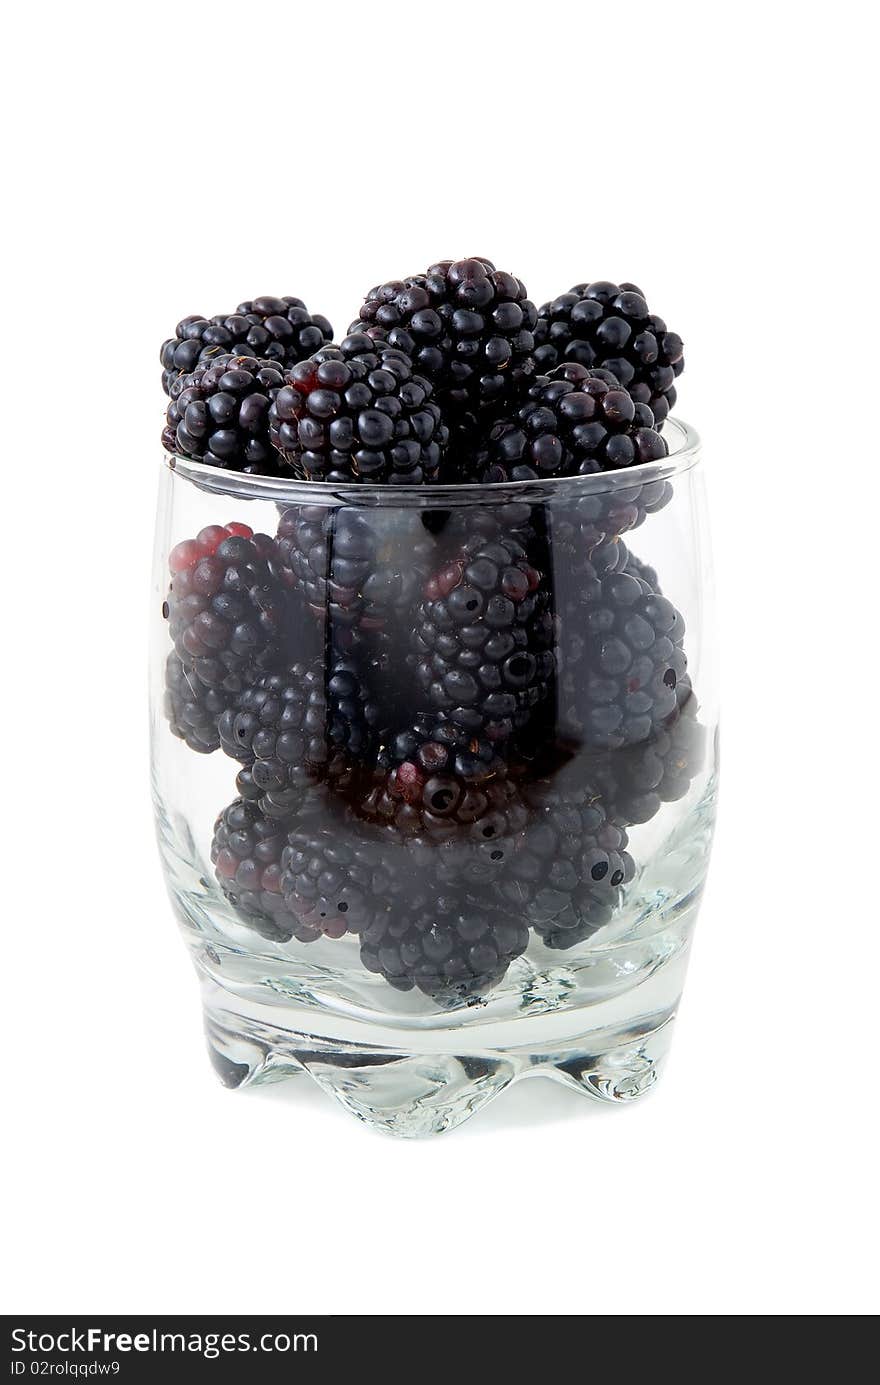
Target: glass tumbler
x,y
434,772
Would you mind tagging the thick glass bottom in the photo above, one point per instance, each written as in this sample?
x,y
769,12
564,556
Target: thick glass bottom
x,y
417,1081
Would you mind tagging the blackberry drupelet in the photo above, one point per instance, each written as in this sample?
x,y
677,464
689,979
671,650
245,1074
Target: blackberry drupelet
x,y
484,637
307,725
624,668
573,422
246,853
450,949
468,326
219,414
274,329
358,412
610,325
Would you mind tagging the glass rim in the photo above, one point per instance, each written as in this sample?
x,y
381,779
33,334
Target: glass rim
x,y
682,457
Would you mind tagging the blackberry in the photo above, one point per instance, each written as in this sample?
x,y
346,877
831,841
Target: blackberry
x,y
484,637
450,949
358,412
636,781
624,668
610,325
219,414
273,329
468,326
192,709
604,866
446,808
225,606
360,574
307,725
574,422
556,876
355,568
246,852
334,880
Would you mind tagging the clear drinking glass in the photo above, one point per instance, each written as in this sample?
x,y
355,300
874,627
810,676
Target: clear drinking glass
x,y
434,773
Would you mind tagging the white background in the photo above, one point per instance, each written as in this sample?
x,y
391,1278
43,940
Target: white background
x,y
175,158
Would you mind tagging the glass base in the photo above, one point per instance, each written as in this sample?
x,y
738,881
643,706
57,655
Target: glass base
x,y
426,1083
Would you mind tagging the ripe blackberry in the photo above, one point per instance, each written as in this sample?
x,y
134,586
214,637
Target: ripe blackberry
x,y
468,326
273,329
604,866
246,852
307,725
219,414
356,568
192,709
358,412
446,808
484,637
359,573
333,880
450,949
610,325
624,668
227,619
555,878
574,422
635,782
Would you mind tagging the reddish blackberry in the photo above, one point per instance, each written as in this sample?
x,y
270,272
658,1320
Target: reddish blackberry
x,y
273,329
624,668
610,325
449,948
445,807
246,852
358,412
471,327
573,422
333,879
484,637
219,414
192,709
225,606
636,781
304,726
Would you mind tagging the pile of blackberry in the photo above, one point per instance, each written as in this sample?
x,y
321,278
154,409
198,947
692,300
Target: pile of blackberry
x,y
446,715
